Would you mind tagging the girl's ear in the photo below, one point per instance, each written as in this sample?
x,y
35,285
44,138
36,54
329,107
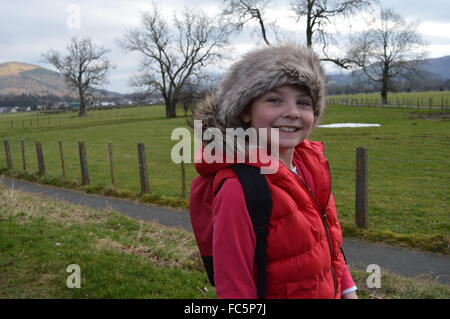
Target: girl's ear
x,y
245,116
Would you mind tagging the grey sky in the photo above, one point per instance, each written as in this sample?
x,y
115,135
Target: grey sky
x,y
29,28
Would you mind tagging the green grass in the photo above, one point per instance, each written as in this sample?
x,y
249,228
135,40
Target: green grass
x,y
120,257
408,164
408,172
394,286
148,126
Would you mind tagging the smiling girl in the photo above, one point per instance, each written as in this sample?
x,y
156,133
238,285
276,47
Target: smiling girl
x,y
275,88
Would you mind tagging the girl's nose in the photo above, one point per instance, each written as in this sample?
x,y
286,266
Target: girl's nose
x,y
292,110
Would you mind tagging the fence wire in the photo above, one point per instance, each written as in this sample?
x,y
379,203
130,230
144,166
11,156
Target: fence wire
x,y
165,176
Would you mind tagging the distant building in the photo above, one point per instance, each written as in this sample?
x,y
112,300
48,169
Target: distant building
x,y
108,103
74,105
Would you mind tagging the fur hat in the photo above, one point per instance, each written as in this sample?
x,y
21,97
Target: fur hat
x,y
256,73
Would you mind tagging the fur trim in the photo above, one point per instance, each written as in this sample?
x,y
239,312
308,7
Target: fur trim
x,y
258,72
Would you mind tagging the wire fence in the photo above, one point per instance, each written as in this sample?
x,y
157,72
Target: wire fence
x,y
402,184
408,103
71,118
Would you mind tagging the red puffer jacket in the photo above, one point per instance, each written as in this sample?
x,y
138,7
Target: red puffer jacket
x,y
304,259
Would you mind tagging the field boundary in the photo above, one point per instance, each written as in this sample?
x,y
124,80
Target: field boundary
x,y
392,106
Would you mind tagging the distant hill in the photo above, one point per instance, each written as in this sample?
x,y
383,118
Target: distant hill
x,y
436,72
17,78
11,68
438,66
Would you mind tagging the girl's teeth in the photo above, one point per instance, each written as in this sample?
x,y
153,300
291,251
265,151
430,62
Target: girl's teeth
x,y
288,129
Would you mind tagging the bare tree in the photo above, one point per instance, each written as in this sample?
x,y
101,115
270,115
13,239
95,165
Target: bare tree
x,y
392,48
174,55
84,67
318,14
240,12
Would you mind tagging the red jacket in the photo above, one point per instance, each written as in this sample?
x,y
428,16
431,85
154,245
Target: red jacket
x,y
303,246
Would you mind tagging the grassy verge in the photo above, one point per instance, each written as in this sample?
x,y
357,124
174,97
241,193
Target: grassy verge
x,y
60,181
120,257
394,286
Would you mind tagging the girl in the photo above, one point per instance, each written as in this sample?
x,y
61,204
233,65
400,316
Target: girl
x,y
281,88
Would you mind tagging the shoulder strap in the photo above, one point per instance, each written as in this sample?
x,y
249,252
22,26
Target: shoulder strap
x,y
259,205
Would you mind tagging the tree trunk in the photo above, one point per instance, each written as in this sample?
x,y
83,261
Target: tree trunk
x,y
384,94
171,106
309,25
385,84
82,110
308,34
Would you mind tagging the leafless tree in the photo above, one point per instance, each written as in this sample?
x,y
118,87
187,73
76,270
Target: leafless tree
x,y
84,68
174,54
241,12
318,15
392,48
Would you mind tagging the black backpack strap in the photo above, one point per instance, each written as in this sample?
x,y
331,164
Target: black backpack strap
x,y
259,205
345,258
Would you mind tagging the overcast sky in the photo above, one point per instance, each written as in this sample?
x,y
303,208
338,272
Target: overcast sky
x,y
29,28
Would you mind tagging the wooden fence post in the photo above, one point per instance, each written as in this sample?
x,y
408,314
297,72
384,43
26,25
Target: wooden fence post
x,y
61,155
9,161
361,200
143,168
40,158
23,154
83,163
183,176
111,167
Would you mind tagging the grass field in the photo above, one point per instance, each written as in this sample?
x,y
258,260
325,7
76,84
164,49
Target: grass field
x,y
408,162
120,257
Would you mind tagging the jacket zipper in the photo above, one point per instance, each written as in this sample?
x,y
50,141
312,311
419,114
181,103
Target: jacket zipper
x,y
328,235
324,219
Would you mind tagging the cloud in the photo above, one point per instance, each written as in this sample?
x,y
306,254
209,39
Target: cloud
x,y
30,28
430,10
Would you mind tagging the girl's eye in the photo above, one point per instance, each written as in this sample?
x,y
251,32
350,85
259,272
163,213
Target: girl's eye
x,y
304,103
274,100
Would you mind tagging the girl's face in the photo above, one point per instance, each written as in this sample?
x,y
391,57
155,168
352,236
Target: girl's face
x,y
288,108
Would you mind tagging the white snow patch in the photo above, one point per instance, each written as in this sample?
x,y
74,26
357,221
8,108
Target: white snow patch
x,y
349,125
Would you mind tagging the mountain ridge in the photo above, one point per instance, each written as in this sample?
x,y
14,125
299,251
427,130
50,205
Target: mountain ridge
x,y
17,78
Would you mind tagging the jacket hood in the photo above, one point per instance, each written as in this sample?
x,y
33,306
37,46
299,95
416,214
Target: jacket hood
x,y
256,73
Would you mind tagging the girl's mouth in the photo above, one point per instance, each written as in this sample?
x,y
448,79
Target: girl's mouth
x,y
287,129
